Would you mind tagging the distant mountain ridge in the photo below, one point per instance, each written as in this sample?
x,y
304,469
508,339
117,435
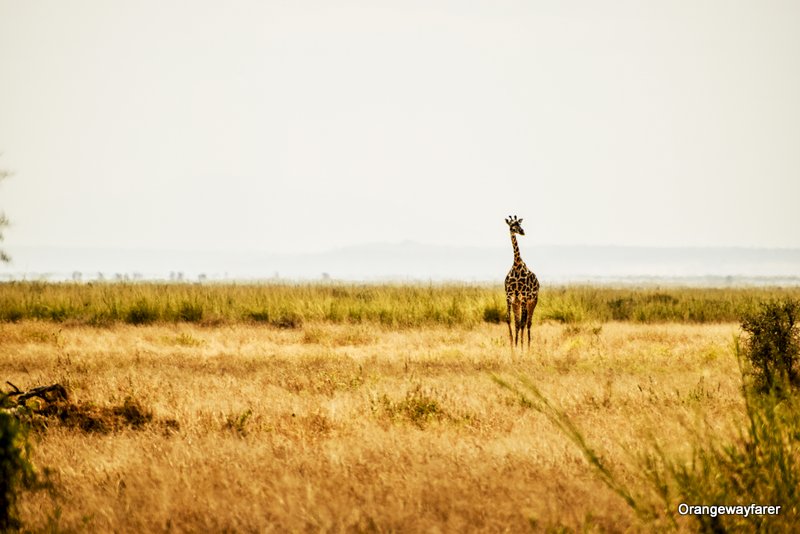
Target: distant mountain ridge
x,y
407,261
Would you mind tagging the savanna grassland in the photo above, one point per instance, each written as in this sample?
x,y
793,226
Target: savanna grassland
x,y
363,408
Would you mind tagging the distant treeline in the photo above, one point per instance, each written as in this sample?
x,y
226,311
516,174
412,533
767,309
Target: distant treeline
x,y
290,305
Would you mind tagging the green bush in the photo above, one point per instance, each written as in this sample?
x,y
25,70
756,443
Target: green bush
x,y
494,314
16,471
287,319
191,312
282,318
773,344
142,312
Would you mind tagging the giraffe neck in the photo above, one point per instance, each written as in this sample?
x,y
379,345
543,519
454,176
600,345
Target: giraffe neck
x,y
517,258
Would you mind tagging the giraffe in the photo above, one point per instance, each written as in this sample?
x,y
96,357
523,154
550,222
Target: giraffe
x,y
522,289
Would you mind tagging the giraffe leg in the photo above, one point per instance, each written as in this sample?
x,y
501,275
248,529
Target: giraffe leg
x,y
531,307
508,321
517,321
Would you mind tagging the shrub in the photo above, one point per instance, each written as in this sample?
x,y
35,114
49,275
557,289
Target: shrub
x,y
493,314
16,471
283,318
773,344
620,308
418,407
191,312
142,312
11,314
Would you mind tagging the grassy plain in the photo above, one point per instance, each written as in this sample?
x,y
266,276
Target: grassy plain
x,y
365,425
336,428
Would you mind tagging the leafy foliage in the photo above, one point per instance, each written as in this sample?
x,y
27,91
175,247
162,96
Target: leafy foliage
x,y
16,470
773,344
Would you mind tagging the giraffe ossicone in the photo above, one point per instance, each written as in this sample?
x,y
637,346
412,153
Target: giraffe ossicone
x,y
522,289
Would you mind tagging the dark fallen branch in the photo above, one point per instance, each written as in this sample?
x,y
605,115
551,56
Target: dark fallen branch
x,y
51,393
57,409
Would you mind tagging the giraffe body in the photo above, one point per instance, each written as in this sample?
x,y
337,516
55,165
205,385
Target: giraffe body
x,y
522,290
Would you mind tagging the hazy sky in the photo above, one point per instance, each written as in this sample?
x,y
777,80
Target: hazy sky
x,y
299,126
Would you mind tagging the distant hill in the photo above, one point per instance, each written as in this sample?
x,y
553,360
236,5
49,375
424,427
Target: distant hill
x,y
410,261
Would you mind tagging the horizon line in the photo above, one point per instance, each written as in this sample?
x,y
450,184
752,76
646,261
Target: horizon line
x,y
397,244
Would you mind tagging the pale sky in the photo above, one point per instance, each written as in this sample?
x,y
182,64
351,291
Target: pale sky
x,y
300,126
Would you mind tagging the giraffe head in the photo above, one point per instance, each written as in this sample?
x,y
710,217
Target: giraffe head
x,y
515,225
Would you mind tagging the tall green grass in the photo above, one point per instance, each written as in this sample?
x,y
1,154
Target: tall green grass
x,y
759,464
290,305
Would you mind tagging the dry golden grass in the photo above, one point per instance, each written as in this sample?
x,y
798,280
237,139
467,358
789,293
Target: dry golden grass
x,y
358,427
